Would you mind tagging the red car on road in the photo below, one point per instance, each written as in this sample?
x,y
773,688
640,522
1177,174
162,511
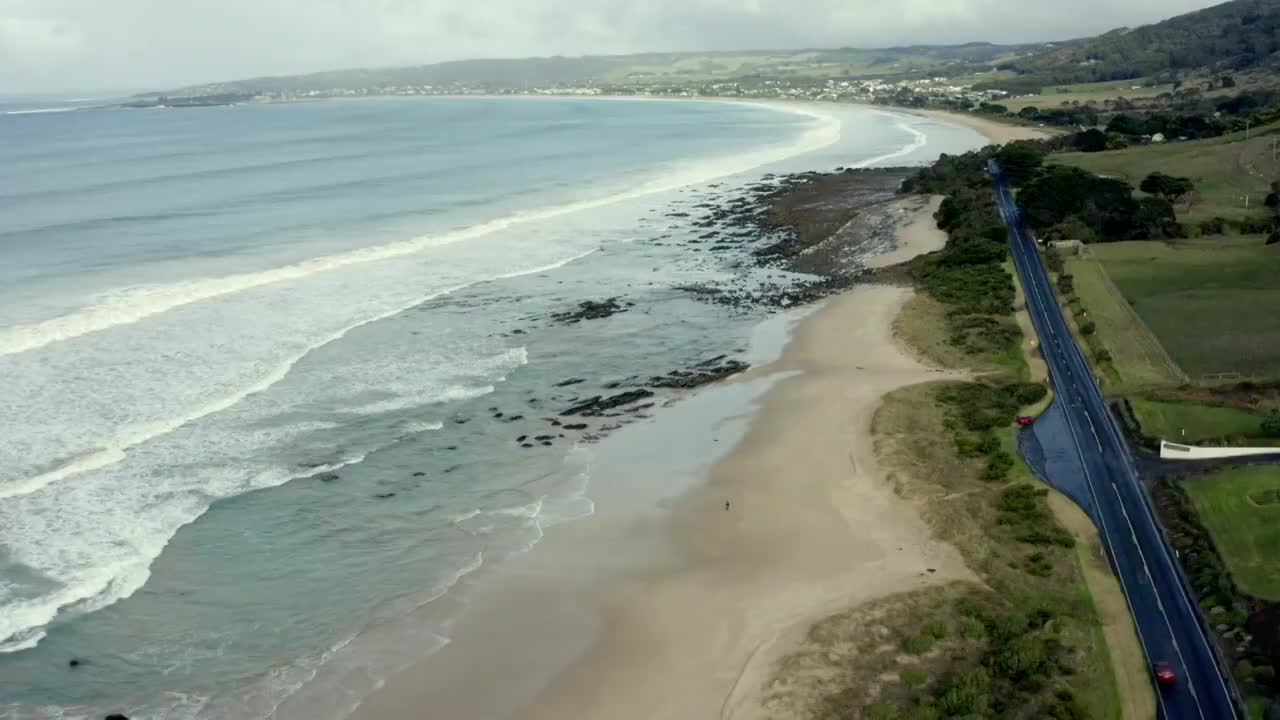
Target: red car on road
x,y
1026,420
1164,673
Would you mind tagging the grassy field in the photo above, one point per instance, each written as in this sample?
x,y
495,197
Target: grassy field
x,y
1205,300
1225,170
1168,420
1055,95
1241,509
1138,358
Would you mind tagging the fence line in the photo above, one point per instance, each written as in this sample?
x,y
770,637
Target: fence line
x,y
1150,341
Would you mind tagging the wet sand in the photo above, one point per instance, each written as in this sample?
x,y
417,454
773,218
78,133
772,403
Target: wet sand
x,y
997,132
665,604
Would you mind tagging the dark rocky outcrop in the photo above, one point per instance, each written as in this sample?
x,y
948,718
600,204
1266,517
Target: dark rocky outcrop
x,y
599,404
590,310
702,374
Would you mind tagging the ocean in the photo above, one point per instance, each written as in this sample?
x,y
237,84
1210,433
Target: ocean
x,y
266,365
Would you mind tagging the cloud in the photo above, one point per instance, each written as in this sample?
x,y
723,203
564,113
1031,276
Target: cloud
x,y
53,45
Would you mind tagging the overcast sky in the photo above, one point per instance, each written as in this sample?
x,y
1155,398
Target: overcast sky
x,y
88,45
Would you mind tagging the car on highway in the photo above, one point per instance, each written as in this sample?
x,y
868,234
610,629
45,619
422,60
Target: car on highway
x,y
1164,673
1026,420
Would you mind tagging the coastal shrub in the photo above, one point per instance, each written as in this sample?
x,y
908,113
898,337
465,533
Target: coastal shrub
x,y
917,644
1049,536
925,710
938,629
1023,500
967,694
1067,284
998,467
1244,670
878,711
914,677
1030,393
1053,260
1213,226
988,444
971,629
1038,564
1088,327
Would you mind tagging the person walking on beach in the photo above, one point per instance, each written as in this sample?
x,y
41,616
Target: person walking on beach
x,y
726,506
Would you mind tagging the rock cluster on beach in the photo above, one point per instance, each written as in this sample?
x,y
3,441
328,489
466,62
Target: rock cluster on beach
x,y
812,227
591,310
801,238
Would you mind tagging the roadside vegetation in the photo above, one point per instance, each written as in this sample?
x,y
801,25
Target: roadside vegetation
x,y
1223,526
1241,509
1027,641
1167,264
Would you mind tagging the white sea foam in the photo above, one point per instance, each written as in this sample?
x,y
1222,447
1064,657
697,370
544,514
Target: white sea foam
x,y
529,511
919,140
418,427
92,564
40,111
463,517
130,305
112,576
113,450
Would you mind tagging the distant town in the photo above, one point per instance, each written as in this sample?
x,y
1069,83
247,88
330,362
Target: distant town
x,y
927,92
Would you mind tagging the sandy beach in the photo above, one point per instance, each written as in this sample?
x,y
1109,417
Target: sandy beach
x,y
997,132
673,600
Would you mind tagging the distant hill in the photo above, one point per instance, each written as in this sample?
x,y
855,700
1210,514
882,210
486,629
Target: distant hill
x,y
651,69
1234,36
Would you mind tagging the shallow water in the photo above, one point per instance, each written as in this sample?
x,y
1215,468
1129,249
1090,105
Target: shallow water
x,y
204,314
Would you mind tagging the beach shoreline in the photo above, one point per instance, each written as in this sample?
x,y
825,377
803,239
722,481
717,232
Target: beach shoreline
x,y
996,132
676,596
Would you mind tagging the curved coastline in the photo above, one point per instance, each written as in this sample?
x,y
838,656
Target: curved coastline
x,y
664,603
817,138
25,630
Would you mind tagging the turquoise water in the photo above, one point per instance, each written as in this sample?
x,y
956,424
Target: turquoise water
x,y
206,314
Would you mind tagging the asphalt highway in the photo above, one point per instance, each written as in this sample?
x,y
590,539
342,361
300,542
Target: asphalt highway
x,y
1162,605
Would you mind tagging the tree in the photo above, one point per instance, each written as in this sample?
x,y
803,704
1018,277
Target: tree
x,y
1166,186
1155,219
1125,125
1020,161
1105,205
1092,140
1271,424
